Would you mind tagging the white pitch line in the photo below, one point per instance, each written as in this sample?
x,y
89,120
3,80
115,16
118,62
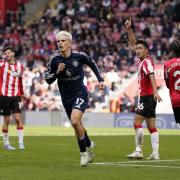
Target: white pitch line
x,y
137,165
140,161
130,163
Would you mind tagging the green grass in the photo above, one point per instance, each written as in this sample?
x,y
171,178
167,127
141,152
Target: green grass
x,y
60,131
52,154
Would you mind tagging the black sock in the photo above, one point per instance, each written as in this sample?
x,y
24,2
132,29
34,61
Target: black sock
x,y
82,144
88,141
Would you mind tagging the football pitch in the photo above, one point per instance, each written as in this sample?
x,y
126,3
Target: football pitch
x,y
52,154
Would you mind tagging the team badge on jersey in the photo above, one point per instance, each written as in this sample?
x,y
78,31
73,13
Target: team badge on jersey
x,y
75,63
69,72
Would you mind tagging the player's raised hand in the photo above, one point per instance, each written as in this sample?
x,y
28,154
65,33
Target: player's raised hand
x,y
101,85
61,67
127,22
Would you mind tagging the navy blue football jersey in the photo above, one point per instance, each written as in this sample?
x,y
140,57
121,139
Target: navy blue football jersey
x,y
70,80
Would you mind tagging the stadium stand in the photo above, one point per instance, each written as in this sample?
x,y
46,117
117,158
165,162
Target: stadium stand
x,y
97,28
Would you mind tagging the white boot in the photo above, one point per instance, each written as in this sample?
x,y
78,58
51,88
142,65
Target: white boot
x,y
83,159
21,146
9,147
135,155
90,152
154,156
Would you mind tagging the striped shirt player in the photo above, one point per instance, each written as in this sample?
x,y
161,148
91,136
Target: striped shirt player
x,y
11,91
147,104
148,97
11,79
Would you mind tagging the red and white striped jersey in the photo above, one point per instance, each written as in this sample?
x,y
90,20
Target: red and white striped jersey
x,y
11,79
145,67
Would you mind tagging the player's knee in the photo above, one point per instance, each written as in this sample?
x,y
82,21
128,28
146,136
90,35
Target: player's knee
x,y
6,120
18,120
75,122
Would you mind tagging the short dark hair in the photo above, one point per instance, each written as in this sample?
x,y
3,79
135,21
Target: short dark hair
x,y
8,48
174,47
144,43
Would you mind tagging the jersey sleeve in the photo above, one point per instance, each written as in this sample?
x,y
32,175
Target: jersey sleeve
x,y
92,64
50,74
148,67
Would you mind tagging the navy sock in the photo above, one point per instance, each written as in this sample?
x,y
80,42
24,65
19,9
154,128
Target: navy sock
x,y
88,141
82,144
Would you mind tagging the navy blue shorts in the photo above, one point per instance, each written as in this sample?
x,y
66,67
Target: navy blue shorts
x,y
79,102
147,107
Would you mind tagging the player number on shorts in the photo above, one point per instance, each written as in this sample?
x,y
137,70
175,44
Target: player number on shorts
x,y
140,106
79,102
177,81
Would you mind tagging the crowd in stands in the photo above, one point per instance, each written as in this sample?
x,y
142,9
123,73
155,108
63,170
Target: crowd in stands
x,y
97,28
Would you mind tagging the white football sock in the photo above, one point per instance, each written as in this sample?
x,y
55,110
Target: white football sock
x,y
5,138
155,142
139,139
20,136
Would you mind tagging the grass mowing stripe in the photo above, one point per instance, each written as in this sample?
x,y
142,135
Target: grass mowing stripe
x,y
62,131
44,161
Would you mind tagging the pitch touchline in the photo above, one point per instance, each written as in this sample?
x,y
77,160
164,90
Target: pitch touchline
x,y
136,165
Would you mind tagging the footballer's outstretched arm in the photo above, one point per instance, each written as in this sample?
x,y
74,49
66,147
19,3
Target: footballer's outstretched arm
x,y
131,36
92,64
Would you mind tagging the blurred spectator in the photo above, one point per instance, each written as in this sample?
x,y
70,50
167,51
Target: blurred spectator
x,y
97,28
125,104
